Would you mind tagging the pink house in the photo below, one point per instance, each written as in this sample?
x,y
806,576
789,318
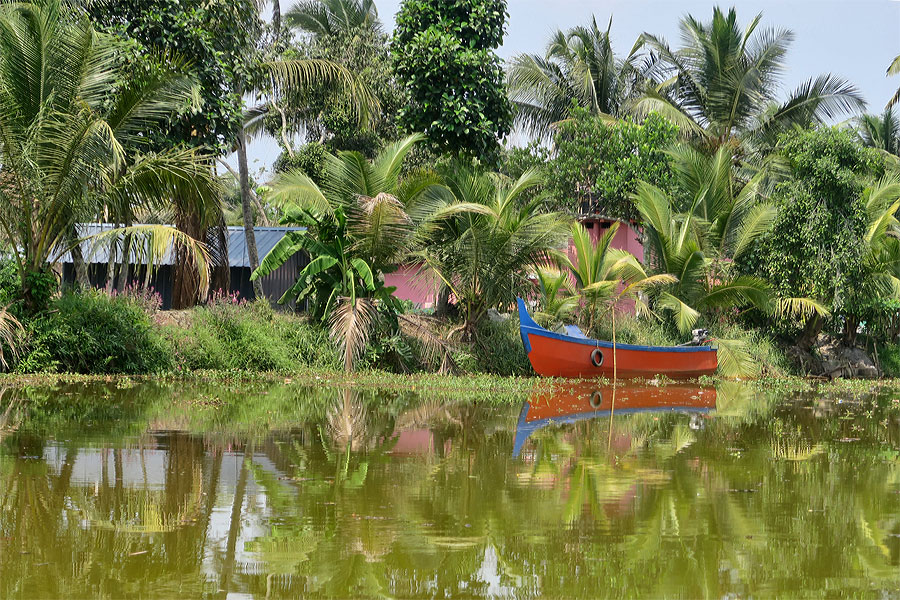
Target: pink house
x,y
421,288
415,284
626,238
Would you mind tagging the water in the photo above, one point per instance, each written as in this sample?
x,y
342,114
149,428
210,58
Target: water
x,y
281,491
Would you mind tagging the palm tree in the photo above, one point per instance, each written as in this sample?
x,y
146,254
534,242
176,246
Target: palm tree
x,y
361,222
723,83
11,332
881,131
893,69
276,78
67,145
485,255
558,300
579,68
598,268
881,257
699,235
332,17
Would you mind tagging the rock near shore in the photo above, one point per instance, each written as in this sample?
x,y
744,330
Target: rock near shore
x,y
831,358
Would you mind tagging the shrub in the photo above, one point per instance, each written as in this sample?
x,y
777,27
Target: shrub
x,y
92,332
889,359
498,349
228,334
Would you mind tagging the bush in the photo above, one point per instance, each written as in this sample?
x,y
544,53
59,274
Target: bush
x,y
10,287
889,359
92,332
233,335
497,349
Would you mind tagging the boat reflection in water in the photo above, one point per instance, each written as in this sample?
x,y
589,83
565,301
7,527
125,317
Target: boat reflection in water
x,y
587,400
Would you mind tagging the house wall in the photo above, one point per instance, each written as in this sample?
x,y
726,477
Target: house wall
x,y
421,289
274,285
414,285
627,237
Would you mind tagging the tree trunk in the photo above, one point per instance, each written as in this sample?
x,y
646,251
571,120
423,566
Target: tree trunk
x,y
442,307
111,263
810,332
246,205
186,285
276,18
851,329
125,263
82,280
217,245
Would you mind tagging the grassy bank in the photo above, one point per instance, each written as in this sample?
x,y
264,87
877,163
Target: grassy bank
x,y
95,333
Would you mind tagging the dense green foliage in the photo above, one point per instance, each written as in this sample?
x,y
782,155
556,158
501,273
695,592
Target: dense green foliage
x,y
231,335
74,147
215,36
816,246
309,159
751,211
485,255
90,332
444,58
599,163
325,113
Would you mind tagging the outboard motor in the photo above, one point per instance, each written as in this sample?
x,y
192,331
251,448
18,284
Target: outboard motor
x,y
699,337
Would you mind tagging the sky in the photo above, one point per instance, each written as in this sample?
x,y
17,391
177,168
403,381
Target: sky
x,y
856,39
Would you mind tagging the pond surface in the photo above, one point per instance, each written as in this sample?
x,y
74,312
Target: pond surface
x,y
282,491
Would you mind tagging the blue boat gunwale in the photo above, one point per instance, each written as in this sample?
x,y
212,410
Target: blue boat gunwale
x,y
525,428
527,325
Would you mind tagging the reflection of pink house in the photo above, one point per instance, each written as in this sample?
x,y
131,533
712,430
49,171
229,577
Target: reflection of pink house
x,y
421,288
416,442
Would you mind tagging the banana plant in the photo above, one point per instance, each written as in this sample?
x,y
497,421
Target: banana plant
x,y
360,223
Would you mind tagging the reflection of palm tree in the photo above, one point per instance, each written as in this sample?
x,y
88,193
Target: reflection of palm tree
x,y
234,525
347,422
12,416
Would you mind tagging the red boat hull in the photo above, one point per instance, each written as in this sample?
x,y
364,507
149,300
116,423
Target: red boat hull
x,y
557,355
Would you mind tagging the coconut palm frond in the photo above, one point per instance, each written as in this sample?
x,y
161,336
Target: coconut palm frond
x,y
799,308
557,299
351,324
11,334
735,359
893,69
423,329
578,68
150,245
324,18
685,316
287,75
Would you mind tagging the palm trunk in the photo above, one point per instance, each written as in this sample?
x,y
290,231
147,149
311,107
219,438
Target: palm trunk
x,y
125,263
185,288
246,205
111,265
276,18
442,307
82,279
810,332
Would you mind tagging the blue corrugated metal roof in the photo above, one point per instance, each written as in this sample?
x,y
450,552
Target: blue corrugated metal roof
x,y
266,238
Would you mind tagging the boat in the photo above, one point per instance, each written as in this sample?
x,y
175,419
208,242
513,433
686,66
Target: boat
x,y
573,354
589,401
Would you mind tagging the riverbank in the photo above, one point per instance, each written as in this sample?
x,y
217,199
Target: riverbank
x,y
93,333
